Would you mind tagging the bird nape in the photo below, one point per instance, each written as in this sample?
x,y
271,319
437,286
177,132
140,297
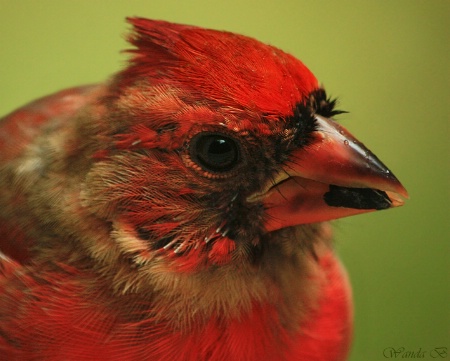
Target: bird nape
x,y
179,211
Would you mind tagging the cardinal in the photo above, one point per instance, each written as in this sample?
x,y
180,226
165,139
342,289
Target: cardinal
x,y
180,211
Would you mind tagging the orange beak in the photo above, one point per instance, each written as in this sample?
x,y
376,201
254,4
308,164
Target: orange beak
x,y
335,176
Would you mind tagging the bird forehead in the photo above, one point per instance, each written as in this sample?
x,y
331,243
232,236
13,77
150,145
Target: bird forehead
x,y
166,106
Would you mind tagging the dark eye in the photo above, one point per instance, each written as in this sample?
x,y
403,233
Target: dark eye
x,y
215,152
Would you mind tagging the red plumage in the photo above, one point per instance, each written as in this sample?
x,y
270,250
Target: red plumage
x,y
178,211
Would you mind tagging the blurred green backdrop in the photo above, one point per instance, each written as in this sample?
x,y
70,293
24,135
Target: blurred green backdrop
x,y
388,61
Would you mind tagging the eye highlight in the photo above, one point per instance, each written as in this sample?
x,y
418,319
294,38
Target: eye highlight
x,y
215,152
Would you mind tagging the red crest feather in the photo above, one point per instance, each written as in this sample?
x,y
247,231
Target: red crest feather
x,y
218,67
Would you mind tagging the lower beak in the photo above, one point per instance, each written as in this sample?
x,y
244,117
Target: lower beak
x,y
334,176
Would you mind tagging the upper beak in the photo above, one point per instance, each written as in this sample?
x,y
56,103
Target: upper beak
x,y
334,176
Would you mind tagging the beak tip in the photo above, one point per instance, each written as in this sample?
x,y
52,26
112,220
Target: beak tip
x,y
397,194
398,188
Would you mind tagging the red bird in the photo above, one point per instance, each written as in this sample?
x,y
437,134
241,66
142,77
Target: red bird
x,y
178,212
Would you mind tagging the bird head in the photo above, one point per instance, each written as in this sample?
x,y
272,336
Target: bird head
x,y
212,143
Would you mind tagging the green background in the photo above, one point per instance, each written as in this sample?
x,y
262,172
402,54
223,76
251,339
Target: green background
x,y
388,63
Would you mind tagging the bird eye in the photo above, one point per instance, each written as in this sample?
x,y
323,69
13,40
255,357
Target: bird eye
x,y
215,152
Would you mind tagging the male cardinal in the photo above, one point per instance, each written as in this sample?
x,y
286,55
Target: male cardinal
x,y
179,211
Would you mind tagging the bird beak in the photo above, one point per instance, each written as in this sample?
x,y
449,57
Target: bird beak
x,y
334,176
